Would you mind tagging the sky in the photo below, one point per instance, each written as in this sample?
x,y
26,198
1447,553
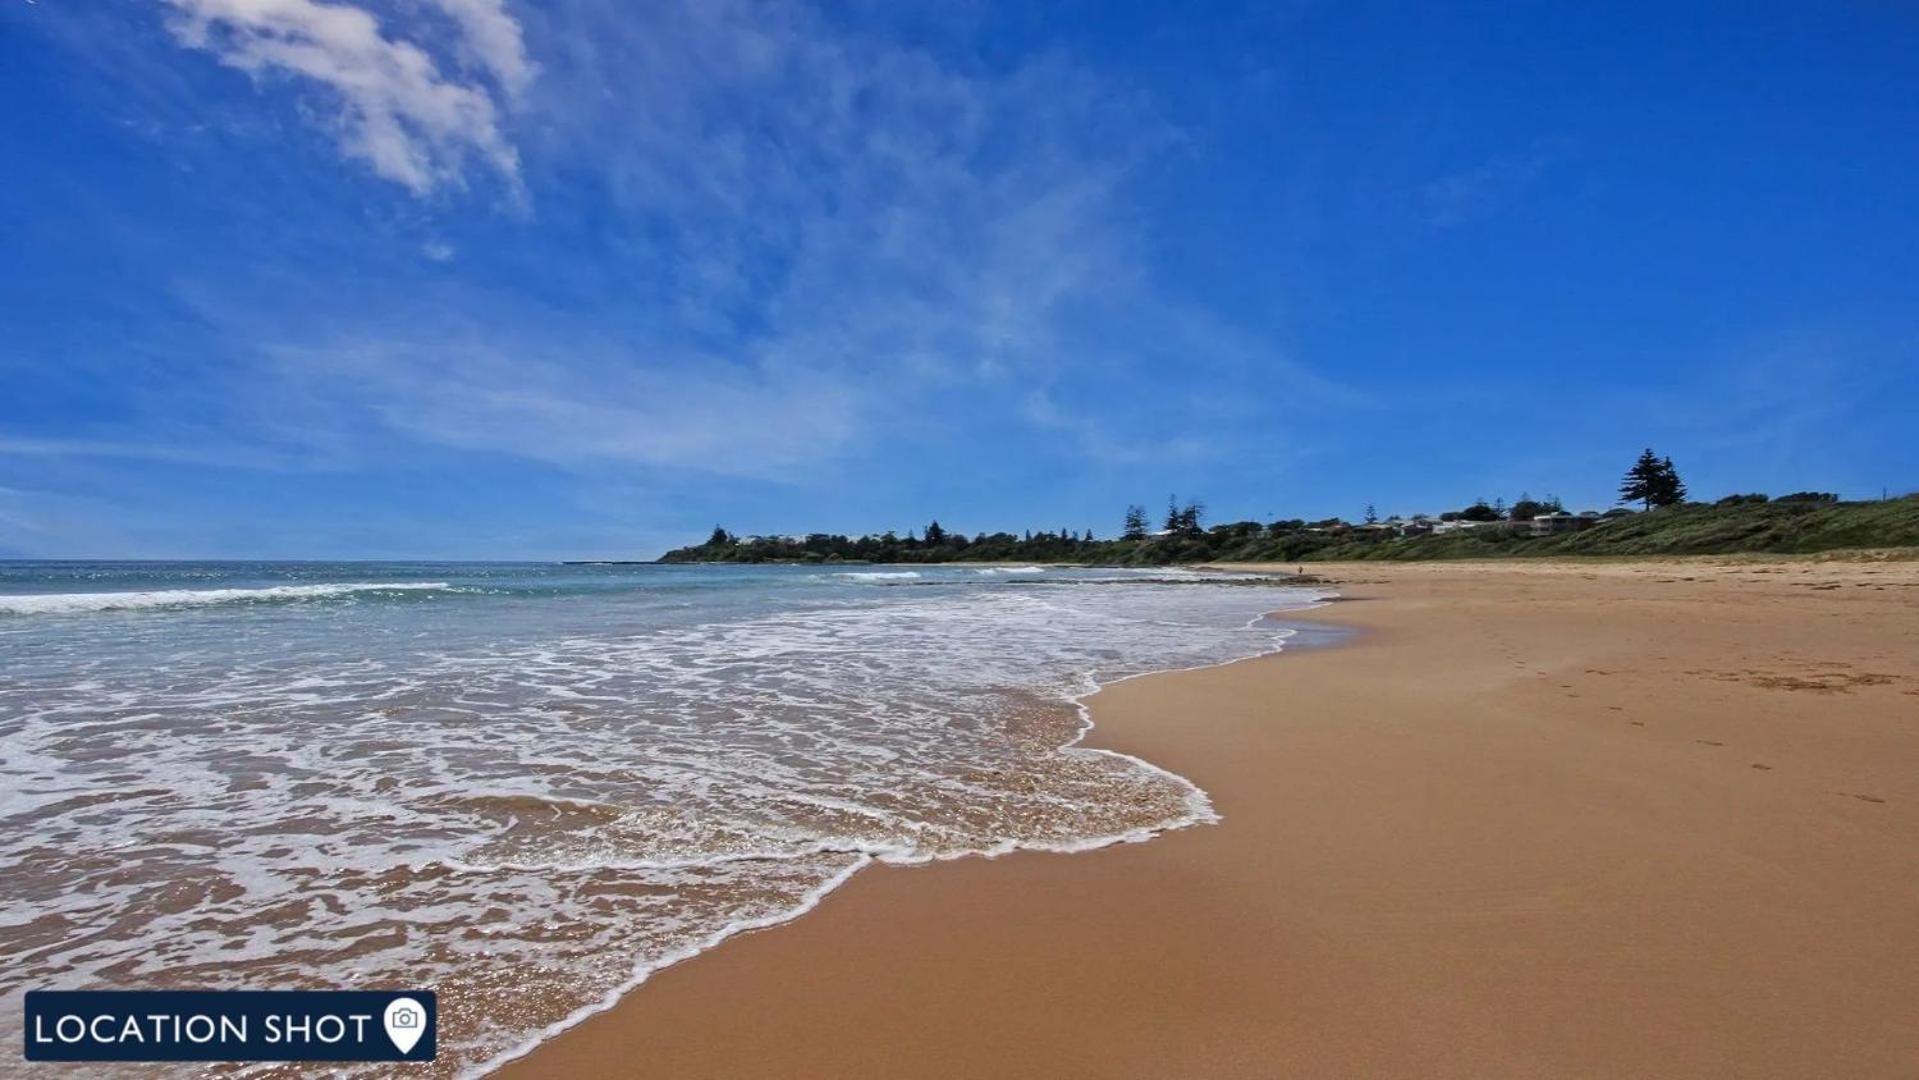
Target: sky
x,y
584,278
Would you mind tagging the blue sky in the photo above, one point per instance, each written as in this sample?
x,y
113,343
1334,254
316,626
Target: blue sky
x,y
491,278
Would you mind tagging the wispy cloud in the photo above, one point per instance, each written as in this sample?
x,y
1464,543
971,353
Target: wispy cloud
x,y
1484,189
491,40
844,192
1097,439
576,410
395,108
771,239
177,453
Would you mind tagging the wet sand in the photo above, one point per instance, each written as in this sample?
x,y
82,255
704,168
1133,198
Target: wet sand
x,y
1616,819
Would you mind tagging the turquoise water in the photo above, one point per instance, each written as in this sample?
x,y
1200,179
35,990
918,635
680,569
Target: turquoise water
x,y
530,785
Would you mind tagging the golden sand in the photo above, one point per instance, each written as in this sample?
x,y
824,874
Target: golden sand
x,y
1614,819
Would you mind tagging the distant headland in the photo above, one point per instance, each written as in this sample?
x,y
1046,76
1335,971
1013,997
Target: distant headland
x,y
1666,523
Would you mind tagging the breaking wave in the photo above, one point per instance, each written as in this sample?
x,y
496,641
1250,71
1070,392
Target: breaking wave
x,y
72,603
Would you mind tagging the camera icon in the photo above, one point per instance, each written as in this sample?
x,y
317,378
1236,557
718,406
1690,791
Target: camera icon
x,y
406,1022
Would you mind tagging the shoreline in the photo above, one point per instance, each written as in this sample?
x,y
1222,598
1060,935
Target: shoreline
x,y
1199,809
1504,860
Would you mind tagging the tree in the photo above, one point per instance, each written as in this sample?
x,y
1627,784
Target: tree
x,y
1172,514
935,534
1135,524
1186,520
1645,481
1670,490
1479,511
720,538
1372,515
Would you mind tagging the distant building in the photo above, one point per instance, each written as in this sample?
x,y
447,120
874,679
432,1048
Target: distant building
x,y
1559,521
1461,525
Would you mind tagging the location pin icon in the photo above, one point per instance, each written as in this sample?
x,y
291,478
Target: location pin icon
x,y
405,1021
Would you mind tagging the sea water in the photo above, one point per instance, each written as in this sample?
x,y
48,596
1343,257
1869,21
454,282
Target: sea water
x,y
528,786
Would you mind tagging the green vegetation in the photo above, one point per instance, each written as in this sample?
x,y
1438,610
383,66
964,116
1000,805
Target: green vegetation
x,y
939,545
1779,526
1776,527
1800,523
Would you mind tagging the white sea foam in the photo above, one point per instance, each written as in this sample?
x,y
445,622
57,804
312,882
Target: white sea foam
x,y
990,570
879,575
70,603
534,822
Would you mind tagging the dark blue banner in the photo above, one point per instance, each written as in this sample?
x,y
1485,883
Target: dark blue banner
x,y
231,1025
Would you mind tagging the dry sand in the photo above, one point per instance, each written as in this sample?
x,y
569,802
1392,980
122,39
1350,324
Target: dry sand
x,y
1617,819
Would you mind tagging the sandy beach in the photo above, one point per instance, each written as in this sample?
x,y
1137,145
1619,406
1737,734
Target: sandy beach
x,y
1527,819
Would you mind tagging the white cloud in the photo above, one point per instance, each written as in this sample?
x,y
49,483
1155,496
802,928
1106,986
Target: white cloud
x,y
777,240
398,111
491,37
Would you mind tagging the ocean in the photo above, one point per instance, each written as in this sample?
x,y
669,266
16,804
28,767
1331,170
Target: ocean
x,y
528,786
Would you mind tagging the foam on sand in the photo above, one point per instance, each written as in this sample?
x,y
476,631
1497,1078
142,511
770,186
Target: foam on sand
x,y
540,803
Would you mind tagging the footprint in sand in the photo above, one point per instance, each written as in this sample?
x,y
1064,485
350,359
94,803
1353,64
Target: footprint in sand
x,y
1761,768
1708,742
